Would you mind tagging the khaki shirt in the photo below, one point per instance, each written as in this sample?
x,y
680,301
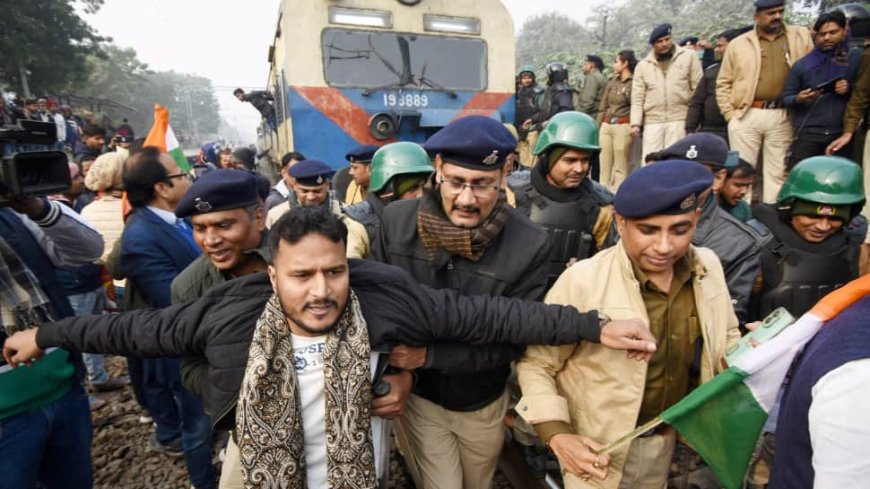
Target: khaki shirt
x,y
673,321
616,101
597,392
774,67
357,241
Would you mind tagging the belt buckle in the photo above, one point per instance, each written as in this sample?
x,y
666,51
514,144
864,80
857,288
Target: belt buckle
x,y
613,120
769,104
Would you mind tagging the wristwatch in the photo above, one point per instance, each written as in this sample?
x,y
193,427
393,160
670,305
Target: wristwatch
x,y
603,319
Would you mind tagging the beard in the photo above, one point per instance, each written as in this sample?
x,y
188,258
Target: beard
x,y
291,317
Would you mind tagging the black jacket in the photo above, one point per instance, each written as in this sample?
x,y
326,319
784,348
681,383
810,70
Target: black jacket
x,y
461,377
558,98
738,248
704,114
219,326
260,100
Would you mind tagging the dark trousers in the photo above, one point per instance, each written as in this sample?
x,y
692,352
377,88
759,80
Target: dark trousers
x,y
722,132
808,145
51,445
178,412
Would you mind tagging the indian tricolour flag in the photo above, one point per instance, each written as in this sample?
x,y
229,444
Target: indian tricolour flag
x,y
723,418
162,136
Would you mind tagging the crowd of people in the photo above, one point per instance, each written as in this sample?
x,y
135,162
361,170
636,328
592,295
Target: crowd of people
x,y
446,296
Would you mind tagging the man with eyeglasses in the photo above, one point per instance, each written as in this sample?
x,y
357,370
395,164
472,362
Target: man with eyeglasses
x,y
461,234
155,247
560,197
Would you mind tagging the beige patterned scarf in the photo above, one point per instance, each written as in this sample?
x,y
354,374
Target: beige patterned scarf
x,y
269,415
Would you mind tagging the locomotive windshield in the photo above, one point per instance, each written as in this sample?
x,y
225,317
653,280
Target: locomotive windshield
x,y
376,60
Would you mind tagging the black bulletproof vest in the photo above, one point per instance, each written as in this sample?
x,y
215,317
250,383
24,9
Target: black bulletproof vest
x,y
569,225
797,278
527,105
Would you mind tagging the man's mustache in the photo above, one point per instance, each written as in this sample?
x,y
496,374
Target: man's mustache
x,y
467,208
323,303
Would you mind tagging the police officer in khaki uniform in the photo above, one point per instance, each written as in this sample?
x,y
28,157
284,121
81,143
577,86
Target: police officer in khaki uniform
x,y
579,396
749,89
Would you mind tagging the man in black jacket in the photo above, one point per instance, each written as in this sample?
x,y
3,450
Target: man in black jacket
x,y
704,114
559,97
314,293
262,101
558,195
462,235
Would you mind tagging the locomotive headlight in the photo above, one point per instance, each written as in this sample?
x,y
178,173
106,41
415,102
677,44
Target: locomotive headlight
x,y
367,18
457,25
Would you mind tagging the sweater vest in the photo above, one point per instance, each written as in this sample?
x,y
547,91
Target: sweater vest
x,y
842,340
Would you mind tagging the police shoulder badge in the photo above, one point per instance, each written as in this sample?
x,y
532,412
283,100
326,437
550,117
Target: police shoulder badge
x,y
688,202
202,205
491,159
692,153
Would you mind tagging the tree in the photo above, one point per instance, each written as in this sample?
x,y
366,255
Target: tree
x,y
546,34
819,6
46,42
119,86
612,27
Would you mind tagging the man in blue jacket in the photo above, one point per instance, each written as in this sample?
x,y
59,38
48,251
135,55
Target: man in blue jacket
x,y
155,247
817,90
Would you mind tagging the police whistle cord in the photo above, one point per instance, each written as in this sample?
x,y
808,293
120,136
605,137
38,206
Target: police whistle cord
x,y
649,425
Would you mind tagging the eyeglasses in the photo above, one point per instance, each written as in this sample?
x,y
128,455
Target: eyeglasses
x,y
179,175
456,187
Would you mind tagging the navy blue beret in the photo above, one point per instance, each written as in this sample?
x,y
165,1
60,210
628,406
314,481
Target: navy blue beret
x,y
687,40
666,187
311,172
702,147
361,154
766,4
219,191
659,32
476,142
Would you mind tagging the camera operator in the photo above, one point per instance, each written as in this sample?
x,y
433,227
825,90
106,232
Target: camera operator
x,y
44,414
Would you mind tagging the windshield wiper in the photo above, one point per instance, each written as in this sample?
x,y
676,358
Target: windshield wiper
x,y
405,77
433,84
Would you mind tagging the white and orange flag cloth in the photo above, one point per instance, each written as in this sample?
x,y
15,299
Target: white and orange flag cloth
x,y
162,136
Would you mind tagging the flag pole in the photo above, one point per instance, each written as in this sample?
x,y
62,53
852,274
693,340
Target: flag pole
x,y
631,436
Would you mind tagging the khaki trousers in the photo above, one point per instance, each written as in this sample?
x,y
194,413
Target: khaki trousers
x,y
646,466
768,131
615,141
454,449
525,149
657,137
231,471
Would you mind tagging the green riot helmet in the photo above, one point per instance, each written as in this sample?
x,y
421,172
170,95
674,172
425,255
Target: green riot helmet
x,y
574,130
828,180
402,158
527,69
